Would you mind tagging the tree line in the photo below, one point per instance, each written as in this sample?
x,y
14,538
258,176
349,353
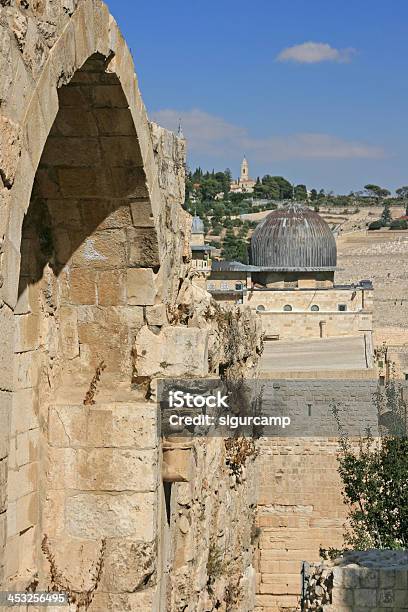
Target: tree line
x,y
208,195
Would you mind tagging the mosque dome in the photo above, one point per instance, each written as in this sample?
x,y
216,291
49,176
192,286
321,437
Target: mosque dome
x,y
294,238
197,225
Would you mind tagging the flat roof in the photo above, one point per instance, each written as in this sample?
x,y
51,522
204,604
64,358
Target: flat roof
x,y
202,247
320,354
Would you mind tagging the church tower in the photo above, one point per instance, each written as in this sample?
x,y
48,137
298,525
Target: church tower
x,y
244,170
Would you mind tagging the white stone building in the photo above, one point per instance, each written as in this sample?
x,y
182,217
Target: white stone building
x,y
290,280
244,184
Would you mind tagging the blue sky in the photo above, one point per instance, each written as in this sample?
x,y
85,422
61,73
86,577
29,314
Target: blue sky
x,y
244,79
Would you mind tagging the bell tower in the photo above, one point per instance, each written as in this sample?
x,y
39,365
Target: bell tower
x,y
244,170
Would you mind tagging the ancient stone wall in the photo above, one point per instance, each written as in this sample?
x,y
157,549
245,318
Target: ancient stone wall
x,y
209,491
300,506
383,258
96,303
360,580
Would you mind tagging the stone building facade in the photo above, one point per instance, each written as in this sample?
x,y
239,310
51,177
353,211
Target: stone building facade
x,y
244,184
96,303
290,283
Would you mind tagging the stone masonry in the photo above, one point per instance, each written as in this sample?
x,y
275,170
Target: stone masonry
x,y
373,580
97,302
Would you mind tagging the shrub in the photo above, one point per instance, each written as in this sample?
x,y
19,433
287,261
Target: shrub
x,y
399,224
375,476
375,225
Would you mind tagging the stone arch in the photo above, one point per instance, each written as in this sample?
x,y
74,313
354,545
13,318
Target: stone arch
x,y
85,233
91,30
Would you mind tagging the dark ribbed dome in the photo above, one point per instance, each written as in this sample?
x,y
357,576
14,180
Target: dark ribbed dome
x,y
293,238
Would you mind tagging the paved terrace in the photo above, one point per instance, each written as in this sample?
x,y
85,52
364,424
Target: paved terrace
x,y
326,354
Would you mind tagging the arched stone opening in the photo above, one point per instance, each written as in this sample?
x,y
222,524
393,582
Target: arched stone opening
x,y
92,243
79,483
88,230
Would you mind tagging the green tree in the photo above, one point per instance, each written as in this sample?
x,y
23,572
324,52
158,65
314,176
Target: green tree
x,y
234,248
313,195
402,192
209,187
300,193
386,217
285,187
375,476
376,192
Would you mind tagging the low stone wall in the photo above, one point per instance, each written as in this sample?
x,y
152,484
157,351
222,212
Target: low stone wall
x,y
382,258
375,580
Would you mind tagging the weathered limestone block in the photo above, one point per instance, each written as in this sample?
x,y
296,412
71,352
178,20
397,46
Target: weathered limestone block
x,y
69,332
111,288
22,481
131,425
142,601
133,316
6,69
67,426
27,511
143,247
142,215
174,351
140,286
4,465
178,464
129,566
103,425
102,469
10,148
111,515
5,414
170,155
157,315
6,335
83,22
26,333
82,286
76,559
23,414
10,265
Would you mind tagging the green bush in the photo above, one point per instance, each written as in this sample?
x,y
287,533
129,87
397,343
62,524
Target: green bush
x,y
399,224
375,476
375,225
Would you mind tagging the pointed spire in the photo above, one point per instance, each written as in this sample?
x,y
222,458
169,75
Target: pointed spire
x,y
180,130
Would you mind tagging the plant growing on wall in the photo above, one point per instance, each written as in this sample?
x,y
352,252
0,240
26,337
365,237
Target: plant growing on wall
x,y
375,476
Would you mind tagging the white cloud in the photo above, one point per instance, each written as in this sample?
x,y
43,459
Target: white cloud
x,y
210,135
314,53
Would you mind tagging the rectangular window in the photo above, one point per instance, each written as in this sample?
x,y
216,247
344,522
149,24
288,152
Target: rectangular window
x,y
238,286
342,307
